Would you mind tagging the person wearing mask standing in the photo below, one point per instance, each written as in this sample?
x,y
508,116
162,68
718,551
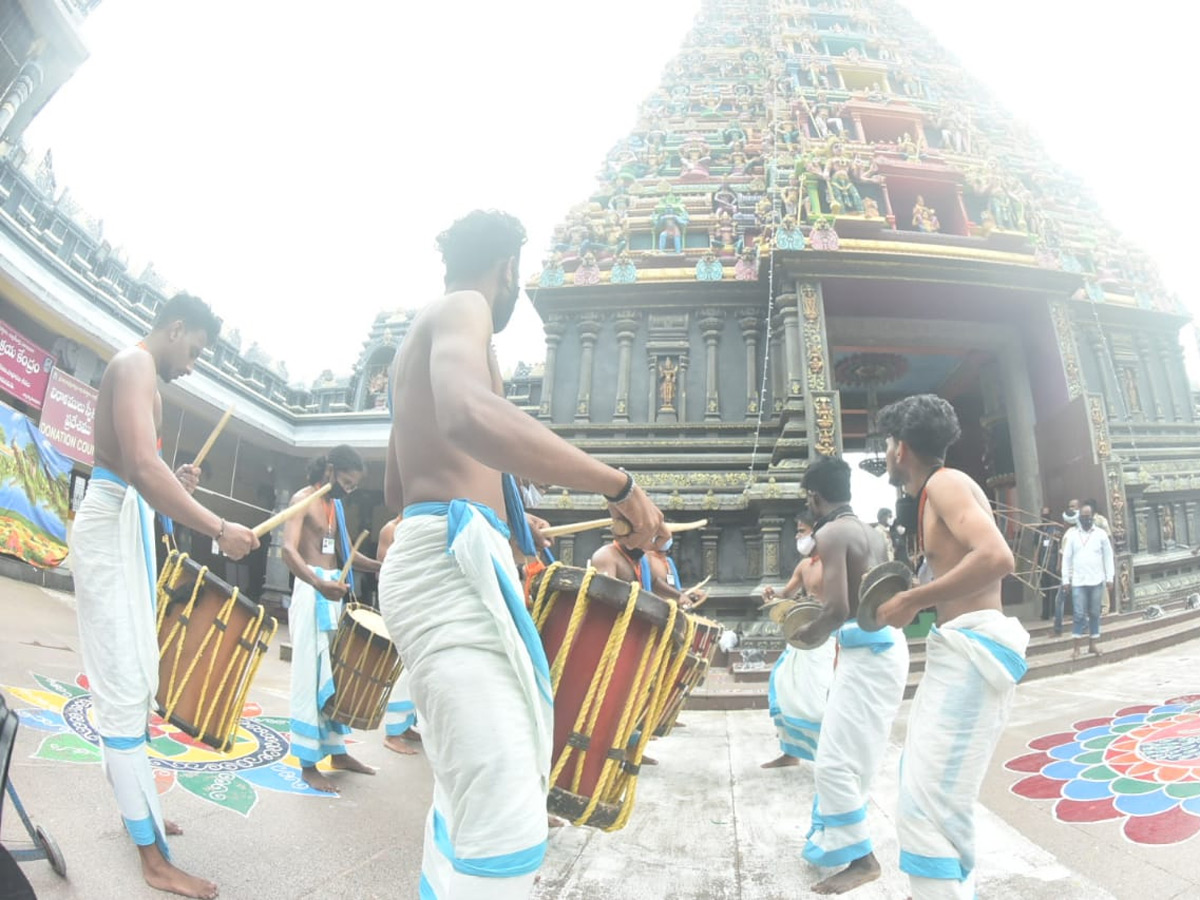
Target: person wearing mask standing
x,y
1087,568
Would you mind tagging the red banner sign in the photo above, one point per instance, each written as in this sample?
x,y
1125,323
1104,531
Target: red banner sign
x,y
24,367
69,417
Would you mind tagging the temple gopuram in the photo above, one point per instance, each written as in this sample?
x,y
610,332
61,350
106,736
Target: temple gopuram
x,y
820,212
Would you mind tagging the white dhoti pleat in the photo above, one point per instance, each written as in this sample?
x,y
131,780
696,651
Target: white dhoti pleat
x,y
481,686
112,553
314,622
797,694
868,687
972,666
401,712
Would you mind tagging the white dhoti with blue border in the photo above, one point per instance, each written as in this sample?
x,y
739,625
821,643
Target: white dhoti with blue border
x,y
868,687
450,594
112,553
797,694
972,666
314,622
401,712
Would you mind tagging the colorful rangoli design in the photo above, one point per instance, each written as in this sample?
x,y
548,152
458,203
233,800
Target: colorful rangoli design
x,y
259,758
1140,765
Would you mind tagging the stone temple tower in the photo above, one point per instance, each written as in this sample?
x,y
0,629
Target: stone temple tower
x,y
820,212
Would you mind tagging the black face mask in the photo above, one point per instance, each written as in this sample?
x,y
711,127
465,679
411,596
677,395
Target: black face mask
x,y
336,491
907,513
1085,522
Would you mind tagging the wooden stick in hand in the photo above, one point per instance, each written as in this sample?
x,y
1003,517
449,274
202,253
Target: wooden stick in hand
x,y
350,562
294,510
619,527
212,438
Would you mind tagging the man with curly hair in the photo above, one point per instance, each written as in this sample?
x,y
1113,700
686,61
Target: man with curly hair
x,y
975,654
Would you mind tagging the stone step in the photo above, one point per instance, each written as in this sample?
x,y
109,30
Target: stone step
x,y
1123,635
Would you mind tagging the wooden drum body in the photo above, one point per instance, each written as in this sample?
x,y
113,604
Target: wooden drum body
x,y
365,666
211,639
613,651
692,672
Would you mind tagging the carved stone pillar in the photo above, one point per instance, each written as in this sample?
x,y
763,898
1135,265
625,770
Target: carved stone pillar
x,y
1117,507
554,332
1104,363
589,330
26,82
1173,404
1180,388
1141,517
778,365
711,323
1066,347
710,539
748,321
771,528
1152,406
753,539
791,344
564,548
1191,523
627,323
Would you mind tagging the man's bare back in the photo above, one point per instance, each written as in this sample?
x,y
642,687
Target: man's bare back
x,y
432,466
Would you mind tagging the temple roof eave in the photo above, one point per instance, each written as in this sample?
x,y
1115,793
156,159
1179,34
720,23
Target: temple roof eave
x,y
934,264
657,294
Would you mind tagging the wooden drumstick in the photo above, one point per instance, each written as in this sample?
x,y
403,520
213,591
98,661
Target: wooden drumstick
x,y
693,590
620,527
350,562
294,510
212,437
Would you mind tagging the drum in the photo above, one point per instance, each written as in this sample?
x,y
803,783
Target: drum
x,y
613,650
692,673
211,639
365,666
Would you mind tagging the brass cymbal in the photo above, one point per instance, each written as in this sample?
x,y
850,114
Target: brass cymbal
x,y
878,586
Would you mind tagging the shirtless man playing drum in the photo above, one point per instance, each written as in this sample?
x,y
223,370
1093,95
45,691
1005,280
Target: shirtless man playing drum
x,y
115,573
449,590
974,655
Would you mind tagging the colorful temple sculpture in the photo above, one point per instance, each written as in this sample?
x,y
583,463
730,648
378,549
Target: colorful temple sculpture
x,y
819,212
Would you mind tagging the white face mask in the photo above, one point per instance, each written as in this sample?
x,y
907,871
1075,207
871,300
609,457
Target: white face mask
x,y
1071,516
806,545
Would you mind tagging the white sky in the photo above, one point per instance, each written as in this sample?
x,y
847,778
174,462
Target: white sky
x,y
292,162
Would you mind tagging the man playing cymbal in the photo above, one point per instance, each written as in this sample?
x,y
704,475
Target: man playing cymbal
x,y
973,657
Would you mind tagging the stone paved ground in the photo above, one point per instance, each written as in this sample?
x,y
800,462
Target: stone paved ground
x,y
708,824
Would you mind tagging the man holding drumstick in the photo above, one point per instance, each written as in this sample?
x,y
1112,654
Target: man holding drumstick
x,y
974,655
113,557
310,551
449,590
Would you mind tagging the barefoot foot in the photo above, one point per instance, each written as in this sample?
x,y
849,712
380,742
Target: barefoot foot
x,y
782,761
171,828
348,763
316,780
162,875
397,744
863,870
413,737
553,821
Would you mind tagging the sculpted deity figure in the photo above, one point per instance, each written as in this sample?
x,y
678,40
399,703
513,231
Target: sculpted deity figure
x,y
924,218
823,237
870,208
668,369
789,236
746,268
843,196
588,272
725,200
709,268
725,233
623,270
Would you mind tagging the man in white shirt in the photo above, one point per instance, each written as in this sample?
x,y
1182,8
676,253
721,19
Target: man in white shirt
x,y
1087,567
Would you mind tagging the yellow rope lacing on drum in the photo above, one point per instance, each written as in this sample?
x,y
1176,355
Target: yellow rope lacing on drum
x,y
230,715
648,695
